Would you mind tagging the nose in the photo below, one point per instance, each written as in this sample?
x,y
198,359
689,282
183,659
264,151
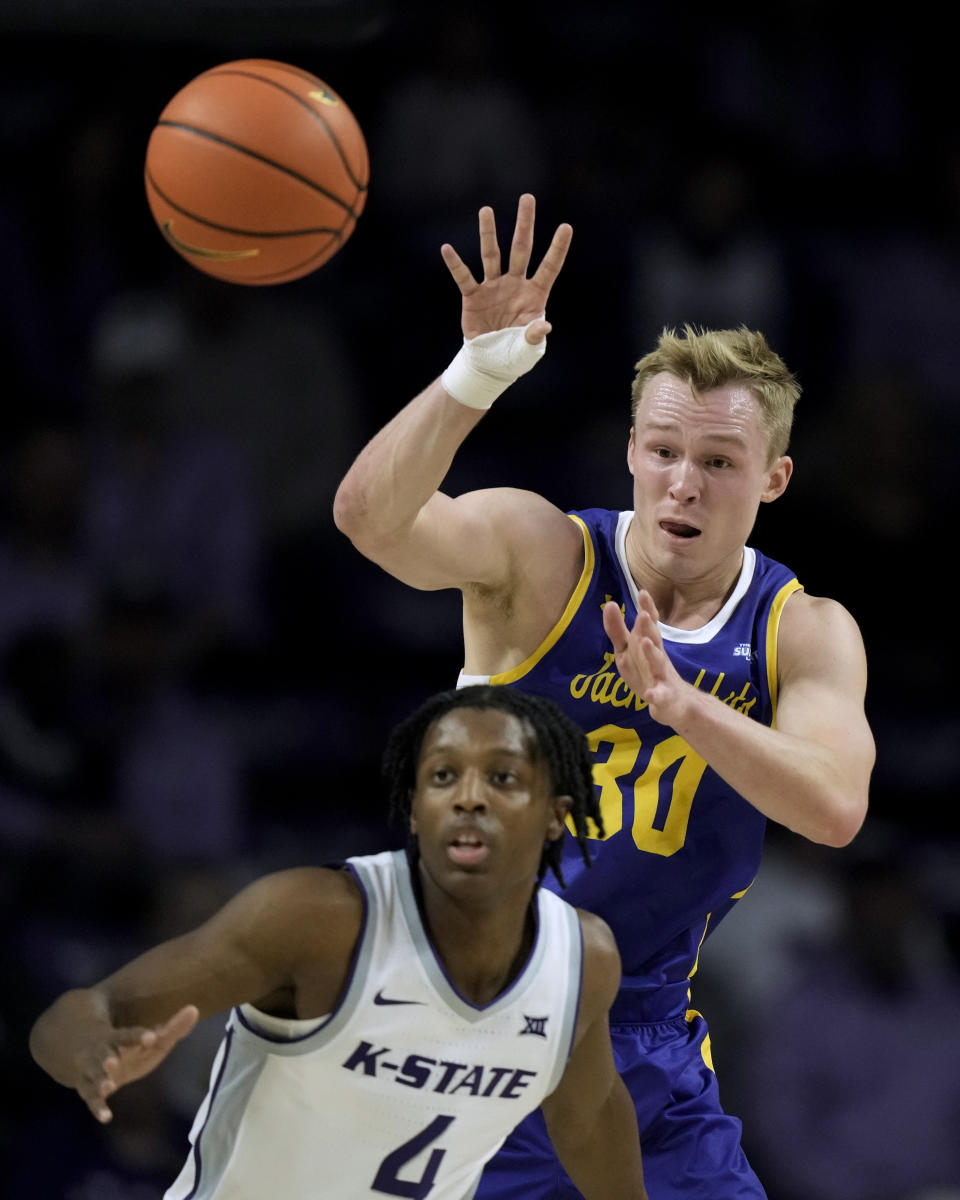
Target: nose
x,y
471,795
685,482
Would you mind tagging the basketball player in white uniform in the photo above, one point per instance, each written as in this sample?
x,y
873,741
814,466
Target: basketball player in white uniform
x,y
391,1021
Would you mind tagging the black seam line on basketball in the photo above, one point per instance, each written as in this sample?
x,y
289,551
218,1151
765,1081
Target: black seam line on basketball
x,y
259,233
309,79
283,273
270,162
320,252
303,104
303,267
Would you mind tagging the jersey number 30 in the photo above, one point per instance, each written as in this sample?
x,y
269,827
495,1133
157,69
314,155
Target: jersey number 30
x,y
662,793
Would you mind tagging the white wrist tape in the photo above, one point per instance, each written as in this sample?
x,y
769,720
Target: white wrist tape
x,y
486,365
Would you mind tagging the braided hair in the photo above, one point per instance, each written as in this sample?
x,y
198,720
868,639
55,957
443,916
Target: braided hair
x,y
559,742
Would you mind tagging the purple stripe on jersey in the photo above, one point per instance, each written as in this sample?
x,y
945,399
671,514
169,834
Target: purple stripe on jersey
x,y
279,1038
197,1161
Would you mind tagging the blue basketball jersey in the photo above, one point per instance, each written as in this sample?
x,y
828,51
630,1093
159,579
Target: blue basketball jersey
x,y
680,846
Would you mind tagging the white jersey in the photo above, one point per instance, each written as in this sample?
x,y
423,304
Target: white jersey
x,y
406,1088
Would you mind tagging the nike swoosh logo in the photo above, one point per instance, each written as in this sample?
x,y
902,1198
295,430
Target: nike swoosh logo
x,y
380,998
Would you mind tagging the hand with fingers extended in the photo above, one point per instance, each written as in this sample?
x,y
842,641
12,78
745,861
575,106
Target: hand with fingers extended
x,y
642,661
508,299
112,1058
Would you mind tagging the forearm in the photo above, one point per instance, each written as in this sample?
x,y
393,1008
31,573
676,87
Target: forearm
x,y
795,781
75,1020
601,1154
398,471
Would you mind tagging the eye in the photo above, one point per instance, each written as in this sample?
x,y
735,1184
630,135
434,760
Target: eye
x,y
441,775
718,462
662,452
503,778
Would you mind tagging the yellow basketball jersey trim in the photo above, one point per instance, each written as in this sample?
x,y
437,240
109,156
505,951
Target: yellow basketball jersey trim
x,y
573,604
773,626
696,961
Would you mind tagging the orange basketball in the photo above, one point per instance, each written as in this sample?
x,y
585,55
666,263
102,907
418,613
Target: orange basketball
x,y
256,172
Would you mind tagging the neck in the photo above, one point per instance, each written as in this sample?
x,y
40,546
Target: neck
x,y
683,602
482,947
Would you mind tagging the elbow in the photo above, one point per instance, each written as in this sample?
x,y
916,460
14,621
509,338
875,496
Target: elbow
x,y
347,508
371,525
844,821
352,513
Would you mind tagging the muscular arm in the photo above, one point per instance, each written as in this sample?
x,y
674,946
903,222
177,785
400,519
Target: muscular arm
x,y
390,506
590,1116
389,503
265,943
812,772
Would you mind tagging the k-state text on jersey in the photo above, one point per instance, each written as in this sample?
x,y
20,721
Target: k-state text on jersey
x,y
421,1071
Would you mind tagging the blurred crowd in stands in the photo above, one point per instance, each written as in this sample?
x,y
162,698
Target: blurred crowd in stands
x,y
196,669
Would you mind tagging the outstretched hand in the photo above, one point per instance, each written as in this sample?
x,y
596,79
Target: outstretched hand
x,y
642,661
128,1054
505,300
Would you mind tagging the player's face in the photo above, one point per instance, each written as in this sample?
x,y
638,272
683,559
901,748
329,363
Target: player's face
x,y
483,805
701,468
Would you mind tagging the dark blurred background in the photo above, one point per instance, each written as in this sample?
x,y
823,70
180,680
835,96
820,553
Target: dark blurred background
x,y
197,671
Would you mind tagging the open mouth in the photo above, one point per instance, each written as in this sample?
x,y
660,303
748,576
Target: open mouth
x,y
467,849
679,529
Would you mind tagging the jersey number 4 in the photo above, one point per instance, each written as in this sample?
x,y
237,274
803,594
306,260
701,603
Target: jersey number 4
x,y
388,1179
662,792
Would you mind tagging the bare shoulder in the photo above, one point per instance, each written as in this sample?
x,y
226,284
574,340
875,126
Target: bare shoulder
x,y
301,911
320,888
519,514
815,629
804,609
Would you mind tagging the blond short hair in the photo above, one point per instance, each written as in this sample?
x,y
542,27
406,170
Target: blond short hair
x,y
714,358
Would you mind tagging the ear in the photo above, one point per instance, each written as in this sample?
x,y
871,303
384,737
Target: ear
x,y
631,450
777,479
560,806
413,819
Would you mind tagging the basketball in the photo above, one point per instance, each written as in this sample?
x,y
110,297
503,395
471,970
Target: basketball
x,y
256,172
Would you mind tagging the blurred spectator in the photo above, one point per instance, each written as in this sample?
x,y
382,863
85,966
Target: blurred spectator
x,y
47,578
169,501
872,495
49,774
457,133
269,369
135,1157
711,261
177,766
794,903
898,287
853,1090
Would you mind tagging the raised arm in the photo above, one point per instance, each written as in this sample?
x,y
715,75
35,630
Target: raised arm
x,y
257,948
812,772
389,503
590,1116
